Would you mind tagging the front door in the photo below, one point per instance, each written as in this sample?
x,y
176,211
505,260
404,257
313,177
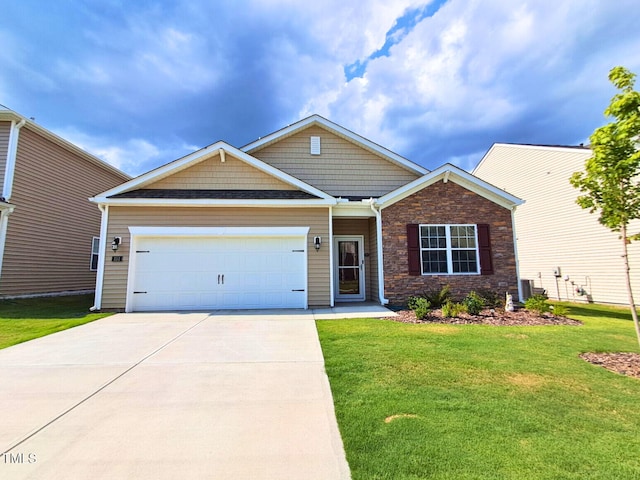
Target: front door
x,y
349,268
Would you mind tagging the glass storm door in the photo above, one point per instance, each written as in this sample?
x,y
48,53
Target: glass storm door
x,y
349,268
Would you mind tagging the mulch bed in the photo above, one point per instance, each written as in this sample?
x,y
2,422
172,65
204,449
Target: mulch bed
x,y
623,363
520,317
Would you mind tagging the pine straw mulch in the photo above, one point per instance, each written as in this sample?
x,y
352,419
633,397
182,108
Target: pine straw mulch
x,y
622,363
518,318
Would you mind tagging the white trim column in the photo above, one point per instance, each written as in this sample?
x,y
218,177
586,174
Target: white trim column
x,y
12,152
102,254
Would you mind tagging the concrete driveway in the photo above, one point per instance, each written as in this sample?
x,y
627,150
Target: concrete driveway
x,y
190,396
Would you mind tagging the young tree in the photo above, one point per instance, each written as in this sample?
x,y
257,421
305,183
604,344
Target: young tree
x,y
610,182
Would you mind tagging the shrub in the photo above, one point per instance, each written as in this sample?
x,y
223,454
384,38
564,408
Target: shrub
x,y
474,303
437,298
422,308
451,309
538,304
559,310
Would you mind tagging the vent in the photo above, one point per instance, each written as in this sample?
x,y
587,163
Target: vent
x,y
315,145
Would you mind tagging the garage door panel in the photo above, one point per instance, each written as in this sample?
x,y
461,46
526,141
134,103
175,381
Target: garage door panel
x,y
216,273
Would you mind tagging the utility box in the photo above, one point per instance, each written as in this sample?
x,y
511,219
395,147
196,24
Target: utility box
x,y
557,272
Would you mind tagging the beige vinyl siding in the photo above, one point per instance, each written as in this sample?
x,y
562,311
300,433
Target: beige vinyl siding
x,y
48,245
231,174
361,226
553,231
343,168
120,218
5,131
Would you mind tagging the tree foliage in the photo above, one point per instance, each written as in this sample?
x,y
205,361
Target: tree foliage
x,y
610,182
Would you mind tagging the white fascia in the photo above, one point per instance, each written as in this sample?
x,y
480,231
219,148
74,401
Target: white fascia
x,y
218,148
102,255
456,175
204,202
12,152
353,209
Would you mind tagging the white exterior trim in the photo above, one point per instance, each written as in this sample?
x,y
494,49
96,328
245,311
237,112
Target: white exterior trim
x,y
331,288
456,175
220,232
12,153
205,202
362,284
195,158
380,254
341,131
515,252
104,223
449,248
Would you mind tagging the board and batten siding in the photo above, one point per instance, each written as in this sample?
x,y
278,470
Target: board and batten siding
x,y
5,131
553,231
49,235
120,218
342,168
212,173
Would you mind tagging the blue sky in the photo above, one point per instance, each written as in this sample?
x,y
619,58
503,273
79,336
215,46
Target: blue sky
x,y
142,83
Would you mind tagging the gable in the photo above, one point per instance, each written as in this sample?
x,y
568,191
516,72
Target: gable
x,y
343,167
214,174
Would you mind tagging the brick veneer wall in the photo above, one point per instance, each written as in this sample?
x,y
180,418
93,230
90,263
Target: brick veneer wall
x,y
446,203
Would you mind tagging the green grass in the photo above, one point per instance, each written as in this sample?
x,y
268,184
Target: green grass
x,y
25,319
487,402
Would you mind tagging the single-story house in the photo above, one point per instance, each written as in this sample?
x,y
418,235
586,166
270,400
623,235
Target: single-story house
x,y
562,248
49,233
308,216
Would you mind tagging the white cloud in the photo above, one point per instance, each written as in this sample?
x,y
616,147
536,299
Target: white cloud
x,y
133,156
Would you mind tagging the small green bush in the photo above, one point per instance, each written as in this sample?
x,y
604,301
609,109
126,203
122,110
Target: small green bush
x,y
451,309
474,303
419,305
538,304
559,310
437,298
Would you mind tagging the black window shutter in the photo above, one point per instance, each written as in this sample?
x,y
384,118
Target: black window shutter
x,y
484,244
413,248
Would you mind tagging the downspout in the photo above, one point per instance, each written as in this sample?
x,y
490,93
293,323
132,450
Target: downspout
x,y
12,153
383,301
515,252
102,253
4,223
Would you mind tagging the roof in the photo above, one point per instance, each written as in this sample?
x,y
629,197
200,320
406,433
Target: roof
x,y
216,194
340,131
10,116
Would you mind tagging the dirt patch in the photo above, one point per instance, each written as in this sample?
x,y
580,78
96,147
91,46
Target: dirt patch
x,y
519,318
623,363
401,415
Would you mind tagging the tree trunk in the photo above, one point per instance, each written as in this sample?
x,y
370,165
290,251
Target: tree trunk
x,y
627,270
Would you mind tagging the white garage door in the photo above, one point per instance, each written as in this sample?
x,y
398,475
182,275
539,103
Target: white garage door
x,y
205,272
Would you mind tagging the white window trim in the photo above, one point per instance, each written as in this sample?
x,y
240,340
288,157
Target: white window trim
x,y
97,254
449,249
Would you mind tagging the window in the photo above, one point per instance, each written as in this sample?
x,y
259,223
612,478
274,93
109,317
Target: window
x,y
449,249
95,251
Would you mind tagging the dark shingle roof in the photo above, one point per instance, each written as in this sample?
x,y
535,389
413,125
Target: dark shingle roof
x,y
188,194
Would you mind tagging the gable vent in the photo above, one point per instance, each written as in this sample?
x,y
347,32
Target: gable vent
x,y
315,145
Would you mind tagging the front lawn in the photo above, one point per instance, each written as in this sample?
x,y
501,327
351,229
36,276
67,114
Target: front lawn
x,y
26,319
482,402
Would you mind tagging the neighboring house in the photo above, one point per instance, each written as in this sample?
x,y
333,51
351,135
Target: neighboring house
x,y
562,248
308,216
48,228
